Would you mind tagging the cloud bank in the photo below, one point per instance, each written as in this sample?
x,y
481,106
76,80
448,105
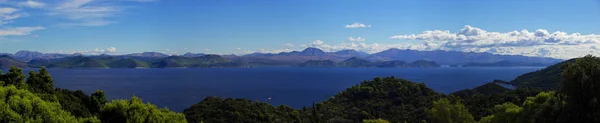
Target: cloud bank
x,y
537,43
95,51
357,39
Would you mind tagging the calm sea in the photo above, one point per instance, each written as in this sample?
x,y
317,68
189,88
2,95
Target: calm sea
x,y
178,89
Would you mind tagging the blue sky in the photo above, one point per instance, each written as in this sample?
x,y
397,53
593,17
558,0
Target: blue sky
x,y
246,26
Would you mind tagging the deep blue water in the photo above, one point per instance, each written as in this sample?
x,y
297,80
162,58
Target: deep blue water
x,y
178,89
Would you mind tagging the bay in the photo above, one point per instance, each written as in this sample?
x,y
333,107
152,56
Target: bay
x,y
179,88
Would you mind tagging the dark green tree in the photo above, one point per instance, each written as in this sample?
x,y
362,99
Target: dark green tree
x,y
98,100
229,110
14,77
376,121
76,102
135,111
581,87
445,112
543,108
21,106
389,98
40,82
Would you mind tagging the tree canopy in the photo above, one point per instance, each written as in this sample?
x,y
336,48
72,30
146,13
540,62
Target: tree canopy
x,y
21,106
445,112
215,109
40,82
135,111
581,85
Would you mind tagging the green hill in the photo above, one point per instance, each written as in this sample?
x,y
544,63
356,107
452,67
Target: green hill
x,y
77,62
41,62
391,64
387,98
202,61
354,62
318,63
486,89
481,100
7,61
252,61
128,63
166,63
546,79
228,110
423,63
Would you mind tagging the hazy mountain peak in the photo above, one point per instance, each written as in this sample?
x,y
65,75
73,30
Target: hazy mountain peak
x,y
311,51
149,54
28,53
351,52
189,54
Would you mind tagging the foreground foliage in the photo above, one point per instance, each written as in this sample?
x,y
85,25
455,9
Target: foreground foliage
x,y
36,100
376,121
21,106
445,112
575,101
135,111
581,86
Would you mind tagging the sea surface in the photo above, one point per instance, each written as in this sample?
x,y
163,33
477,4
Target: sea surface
x,y
179,88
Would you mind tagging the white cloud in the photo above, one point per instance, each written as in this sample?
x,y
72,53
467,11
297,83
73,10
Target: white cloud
x,y
369,48
475,37
32,4
538,43
70,4
289,45
357,39
19,31
357,25
95,51
111,49
7,15
87,23
317,42
84,13
7,10
91,12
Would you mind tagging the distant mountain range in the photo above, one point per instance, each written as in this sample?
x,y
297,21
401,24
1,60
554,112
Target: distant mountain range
x,y
309,57
505,63
359,62
455,57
